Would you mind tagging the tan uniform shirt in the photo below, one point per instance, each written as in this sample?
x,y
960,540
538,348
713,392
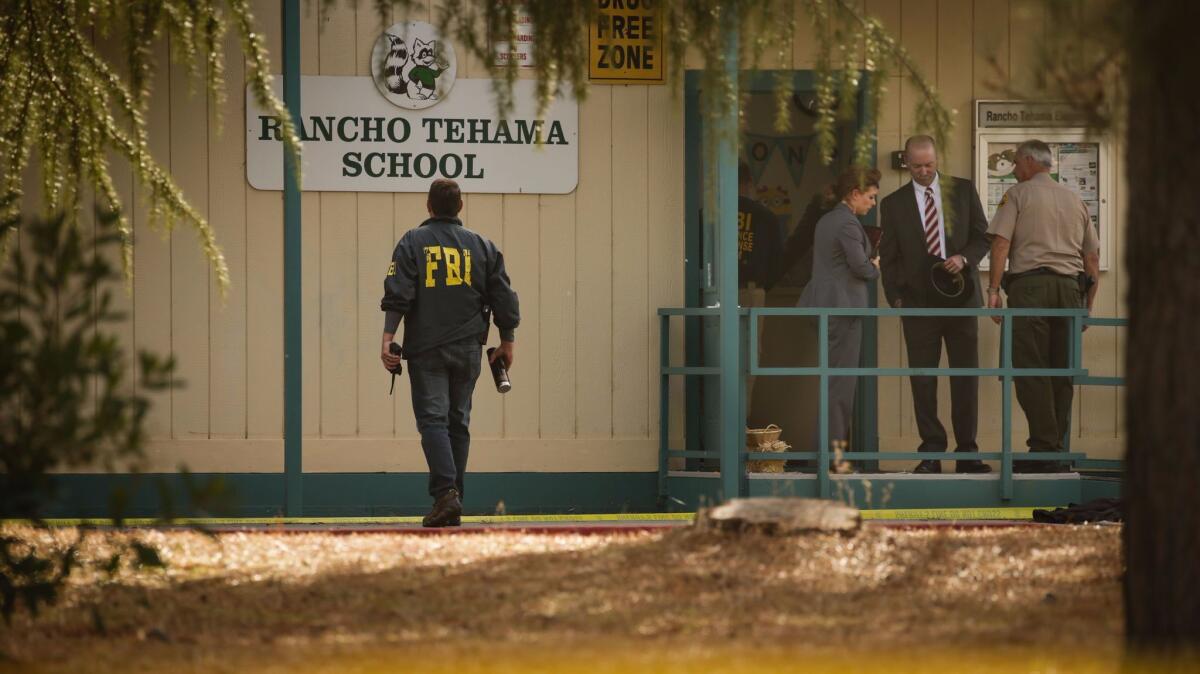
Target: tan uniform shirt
x,y
1047,225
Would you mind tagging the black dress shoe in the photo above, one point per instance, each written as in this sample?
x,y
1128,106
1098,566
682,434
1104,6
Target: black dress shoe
x,y
971,466
928,466
446,512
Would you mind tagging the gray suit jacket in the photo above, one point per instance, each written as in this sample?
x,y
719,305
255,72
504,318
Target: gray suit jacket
x,y
841,268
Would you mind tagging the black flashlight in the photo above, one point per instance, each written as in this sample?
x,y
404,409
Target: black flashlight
x,y
499,372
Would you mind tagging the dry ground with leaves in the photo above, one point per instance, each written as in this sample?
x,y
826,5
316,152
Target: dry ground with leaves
x,y
885,599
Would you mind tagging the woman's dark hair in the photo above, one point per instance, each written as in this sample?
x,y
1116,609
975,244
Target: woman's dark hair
x,y
445,199
855,178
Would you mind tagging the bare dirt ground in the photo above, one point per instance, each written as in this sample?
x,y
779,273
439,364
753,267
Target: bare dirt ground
x,y
1002,599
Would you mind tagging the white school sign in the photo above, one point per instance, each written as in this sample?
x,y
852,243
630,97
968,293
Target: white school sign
x,y
357,141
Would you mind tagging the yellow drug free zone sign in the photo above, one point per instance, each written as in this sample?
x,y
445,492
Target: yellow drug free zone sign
x,y
625,44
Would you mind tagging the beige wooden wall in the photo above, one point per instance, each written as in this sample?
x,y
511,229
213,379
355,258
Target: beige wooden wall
x,y
591,267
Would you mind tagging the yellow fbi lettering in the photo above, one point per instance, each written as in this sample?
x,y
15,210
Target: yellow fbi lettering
x,y
456,262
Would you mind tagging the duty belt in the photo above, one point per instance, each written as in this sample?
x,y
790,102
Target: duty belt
x,y
1081,278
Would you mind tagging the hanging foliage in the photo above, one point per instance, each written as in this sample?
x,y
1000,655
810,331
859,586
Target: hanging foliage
x,y
853,52
66,105
852,55
1087,66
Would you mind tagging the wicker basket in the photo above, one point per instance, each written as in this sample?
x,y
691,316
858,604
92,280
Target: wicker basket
x,y
765,440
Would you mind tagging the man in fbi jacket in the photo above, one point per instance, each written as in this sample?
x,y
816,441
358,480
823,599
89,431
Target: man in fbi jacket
x,y
443,281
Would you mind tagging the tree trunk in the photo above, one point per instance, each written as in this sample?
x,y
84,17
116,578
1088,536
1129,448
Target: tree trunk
x,y
1162,530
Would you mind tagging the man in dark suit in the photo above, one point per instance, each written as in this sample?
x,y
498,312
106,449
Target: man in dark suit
x,y
936,220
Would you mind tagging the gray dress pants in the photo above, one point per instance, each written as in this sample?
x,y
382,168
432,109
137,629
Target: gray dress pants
x,y
845,342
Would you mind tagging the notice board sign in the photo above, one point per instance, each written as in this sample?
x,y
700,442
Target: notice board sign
x,y
1080,161
1027,114
625,43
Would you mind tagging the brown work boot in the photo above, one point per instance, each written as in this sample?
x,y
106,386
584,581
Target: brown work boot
x,y
446,512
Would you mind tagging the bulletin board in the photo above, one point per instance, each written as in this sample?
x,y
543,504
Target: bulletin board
x,y
1082,163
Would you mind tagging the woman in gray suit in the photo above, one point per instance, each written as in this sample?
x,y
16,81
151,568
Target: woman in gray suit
x,y
842,270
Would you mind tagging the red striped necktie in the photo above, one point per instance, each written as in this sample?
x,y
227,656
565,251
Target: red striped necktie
x,y
933,239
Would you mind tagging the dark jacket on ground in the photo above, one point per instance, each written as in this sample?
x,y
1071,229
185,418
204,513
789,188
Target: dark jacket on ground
x,y
442,281
903,254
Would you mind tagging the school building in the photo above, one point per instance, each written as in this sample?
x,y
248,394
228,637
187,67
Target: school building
x,y
601,227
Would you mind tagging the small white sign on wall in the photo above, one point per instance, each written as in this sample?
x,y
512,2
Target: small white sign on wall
x,y
521,50
355,140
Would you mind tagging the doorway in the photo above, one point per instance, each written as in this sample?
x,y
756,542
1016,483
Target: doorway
x,y
787,175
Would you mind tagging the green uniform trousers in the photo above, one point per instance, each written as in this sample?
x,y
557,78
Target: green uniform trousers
x,y
1041,342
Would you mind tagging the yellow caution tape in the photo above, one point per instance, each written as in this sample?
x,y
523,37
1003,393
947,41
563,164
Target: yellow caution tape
x,y
910,514
951,514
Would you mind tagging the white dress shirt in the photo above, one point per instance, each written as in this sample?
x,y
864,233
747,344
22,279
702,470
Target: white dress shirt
x,y
919,193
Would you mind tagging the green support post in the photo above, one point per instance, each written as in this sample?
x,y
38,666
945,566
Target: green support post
x,y
1006,458
726,134
743,369
293,427
693,262
824,487
1076,363
865,432
664,405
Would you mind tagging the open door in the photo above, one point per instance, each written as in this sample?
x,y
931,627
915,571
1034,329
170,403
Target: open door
x,y
787,173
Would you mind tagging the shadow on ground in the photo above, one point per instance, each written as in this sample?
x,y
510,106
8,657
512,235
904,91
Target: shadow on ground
x,y
465,602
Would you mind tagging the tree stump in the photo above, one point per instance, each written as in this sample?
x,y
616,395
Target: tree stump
x,y
779,516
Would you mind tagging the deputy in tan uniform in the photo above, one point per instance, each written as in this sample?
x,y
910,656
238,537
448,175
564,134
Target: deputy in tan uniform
x,y
1042,231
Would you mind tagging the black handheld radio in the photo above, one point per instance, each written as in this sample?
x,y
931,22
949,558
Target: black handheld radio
x,y
395,350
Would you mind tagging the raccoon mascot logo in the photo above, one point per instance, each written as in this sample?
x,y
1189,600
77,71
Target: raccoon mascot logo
x,y
412,66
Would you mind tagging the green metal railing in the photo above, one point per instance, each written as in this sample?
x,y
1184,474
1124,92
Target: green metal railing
x,y
733,456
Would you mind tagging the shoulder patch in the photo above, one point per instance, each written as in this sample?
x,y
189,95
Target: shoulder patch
x,y
392,269
1003,200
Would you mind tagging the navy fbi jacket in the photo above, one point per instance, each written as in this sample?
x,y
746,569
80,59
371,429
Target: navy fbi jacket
x,y
443,281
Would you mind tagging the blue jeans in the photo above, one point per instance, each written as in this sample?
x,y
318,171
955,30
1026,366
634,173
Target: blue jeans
x,y
443,380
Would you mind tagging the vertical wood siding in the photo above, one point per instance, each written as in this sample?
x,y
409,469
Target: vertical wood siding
x,y
591,267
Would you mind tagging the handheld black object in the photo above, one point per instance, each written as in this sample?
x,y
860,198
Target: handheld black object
x,y
395,349
499,373
947,290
